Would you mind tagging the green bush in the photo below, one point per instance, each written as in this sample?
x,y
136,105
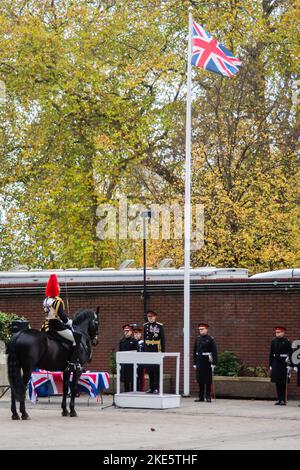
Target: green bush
x,y
5,325
229,365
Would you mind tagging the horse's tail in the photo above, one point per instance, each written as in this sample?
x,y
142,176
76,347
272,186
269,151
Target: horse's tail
x,y
14,371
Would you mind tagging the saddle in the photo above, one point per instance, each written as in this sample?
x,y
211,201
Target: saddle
x,y
54,336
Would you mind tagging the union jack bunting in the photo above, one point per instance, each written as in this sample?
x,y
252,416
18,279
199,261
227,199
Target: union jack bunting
x,y
209,54
45,384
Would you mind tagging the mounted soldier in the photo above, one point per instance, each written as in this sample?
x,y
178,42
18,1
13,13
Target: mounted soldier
x,y
57,322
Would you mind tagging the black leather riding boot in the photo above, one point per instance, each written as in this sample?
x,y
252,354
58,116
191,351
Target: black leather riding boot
x,y
75,362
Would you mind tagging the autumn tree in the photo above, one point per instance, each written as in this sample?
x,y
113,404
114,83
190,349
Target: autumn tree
x,y
95,110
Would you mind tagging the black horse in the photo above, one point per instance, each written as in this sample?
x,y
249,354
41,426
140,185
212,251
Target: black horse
x,y
31,349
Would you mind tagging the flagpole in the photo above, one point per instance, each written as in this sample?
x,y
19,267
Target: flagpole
x,y
187,217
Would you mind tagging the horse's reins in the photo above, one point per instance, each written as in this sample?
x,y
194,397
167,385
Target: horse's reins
x,y
87,343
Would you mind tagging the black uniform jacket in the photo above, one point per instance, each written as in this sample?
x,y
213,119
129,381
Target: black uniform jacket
x,y
205,355
127,344
280,353
154,337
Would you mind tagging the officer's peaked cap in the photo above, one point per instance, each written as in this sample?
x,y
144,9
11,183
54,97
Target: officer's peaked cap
x,y
151,312
204,325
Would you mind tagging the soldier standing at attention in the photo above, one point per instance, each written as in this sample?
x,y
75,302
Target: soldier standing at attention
x,y
154,337
205,360
127,343
280,353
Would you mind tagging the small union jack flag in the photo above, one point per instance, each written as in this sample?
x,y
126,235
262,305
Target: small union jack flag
x,y
209,54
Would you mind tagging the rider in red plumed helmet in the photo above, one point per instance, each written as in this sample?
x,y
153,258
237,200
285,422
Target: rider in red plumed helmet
x,y
57,320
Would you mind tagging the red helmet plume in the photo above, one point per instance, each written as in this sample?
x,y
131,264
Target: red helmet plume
x,y
52,288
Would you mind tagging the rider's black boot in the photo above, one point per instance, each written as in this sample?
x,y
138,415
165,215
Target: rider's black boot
x,y
74,362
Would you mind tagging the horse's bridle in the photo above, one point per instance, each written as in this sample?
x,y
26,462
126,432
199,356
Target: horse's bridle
x,y
94,333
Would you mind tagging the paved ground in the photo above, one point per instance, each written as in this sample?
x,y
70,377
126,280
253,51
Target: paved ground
x,y
227,424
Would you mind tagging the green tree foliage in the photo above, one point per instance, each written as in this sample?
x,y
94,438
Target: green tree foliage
x,y
229,365
95,109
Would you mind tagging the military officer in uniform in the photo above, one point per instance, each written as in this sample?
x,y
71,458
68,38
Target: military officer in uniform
x,y
280,354
127,343
137,334
205,360
154,341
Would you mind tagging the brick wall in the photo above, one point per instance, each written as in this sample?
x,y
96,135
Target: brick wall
x,y
241,321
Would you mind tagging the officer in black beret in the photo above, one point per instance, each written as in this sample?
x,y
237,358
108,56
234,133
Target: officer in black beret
x,y
205,360
279,362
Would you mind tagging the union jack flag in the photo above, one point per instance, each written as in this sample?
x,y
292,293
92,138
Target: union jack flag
x,y
209,54
42,384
